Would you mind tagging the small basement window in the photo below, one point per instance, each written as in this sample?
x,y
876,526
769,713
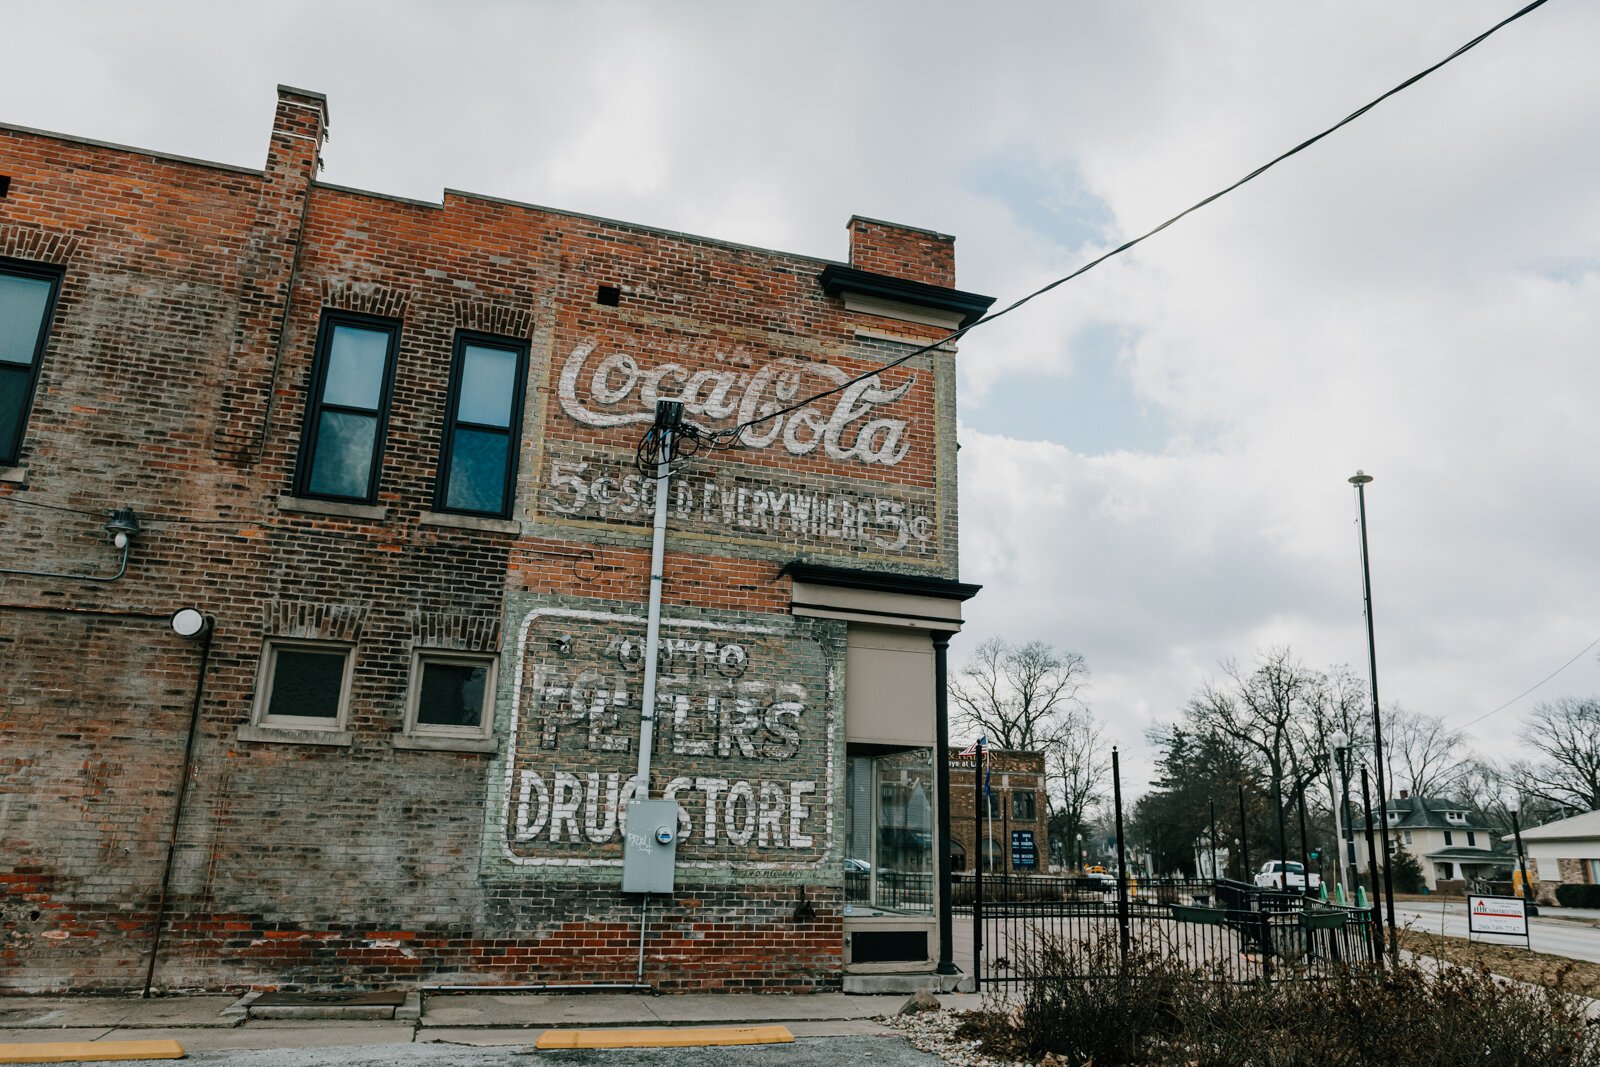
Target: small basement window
x,y
451,695
304,686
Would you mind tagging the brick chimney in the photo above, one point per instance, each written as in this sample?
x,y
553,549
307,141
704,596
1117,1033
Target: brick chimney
x,y
903,252
294,154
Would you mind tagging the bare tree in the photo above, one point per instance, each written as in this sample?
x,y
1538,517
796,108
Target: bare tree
x,y
1273,712
1567,732
1025,697
1076,767
1430,757
1019,696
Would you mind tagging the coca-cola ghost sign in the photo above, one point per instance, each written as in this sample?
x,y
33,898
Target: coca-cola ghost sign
x,y
614,389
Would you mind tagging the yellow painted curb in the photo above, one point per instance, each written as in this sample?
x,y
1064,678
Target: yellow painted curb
x,y
88,1051
665,1037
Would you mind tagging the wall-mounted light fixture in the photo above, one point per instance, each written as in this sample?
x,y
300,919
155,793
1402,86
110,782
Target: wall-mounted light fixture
x,y
190,623
123,526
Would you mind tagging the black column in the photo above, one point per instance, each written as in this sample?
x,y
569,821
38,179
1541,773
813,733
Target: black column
x,y
941,782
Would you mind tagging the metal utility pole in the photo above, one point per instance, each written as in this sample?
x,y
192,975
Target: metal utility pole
x,y
1360,480
1122,855
1372,859
669,415
1244,840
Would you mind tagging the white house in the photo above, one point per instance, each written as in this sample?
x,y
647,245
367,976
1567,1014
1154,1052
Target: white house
x,y
1445,840
1567,850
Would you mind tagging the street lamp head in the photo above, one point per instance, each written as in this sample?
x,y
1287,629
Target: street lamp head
x,y
1513,803
1360,478
1339,739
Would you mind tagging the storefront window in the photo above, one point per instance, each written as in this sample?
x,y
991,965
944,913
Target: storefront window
x,y
889,836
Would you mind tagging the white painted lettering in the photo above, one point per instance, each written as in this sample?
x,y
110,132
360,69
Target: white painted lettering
x,y
740,828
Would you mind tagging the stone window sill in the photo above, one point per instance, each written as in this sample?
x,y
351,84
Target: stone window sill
x,y
470,522
13,474
282,735
425,743
369,512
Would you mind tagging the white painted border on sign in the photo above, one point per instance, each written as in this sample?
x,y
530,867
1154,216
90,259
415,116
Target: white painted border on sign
x,y
1497,915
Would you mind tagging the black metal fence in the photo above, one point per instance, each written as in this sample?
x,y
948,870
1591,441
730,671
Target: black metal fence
x,y
892,890
1223,930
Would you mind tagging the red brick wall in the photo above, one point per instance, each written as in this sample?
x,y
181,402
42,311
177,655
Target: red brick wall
x,y
175,383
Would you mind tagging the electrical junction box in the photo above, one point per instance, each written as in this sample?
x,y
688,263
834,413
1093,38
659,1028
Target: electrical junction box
x,y
649,846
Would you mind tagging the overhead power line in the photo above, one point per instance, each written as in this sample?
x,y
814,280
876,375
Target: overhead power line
x,y
727,438
1534,686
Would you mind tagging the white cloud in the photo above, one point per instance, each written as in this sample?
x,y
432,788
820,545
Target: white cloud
x,y
1416,295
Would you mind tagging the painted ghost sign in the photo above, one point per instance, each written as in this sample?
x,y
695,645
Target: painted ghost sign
x,y
615,389
735,497
743,741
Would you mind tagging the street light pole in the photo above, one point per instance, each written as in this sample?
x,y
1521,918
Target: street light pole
x,y
1347,835
1360,480
1514,805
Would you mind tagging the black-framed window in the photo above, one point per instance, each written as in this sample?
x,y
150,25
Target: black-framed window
x,y
1022,805
347,411
27,302
478,458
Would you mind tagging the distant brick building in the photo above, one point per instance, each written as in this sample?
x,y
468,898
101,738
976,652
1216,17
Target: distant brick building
x,y
388,447
1016,831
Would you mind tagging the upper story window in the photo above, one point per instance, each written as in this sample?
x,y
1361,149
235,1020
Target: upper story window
x,y
1023,806
1456,816
348,408
478,458
1472,839
1449,839
27,300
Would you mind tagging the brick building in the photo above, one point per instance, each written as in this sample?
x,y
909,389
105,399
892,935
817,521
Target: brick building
x,y
387,449
1016,832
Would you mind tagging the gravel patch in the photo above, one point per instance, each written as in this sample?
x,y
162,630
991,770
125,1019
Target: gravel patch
x,y
936,1032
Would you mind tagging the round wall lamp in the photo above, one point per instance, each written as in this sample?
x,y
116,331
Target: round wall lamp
x,y
191,623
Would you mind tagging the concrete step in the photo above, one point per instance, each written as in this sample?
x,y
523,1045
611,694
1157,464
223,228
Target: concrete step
x,y
389,1004
909,982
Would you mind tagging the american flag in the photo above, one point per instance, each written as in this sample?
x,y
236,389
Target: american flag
x,y
980,749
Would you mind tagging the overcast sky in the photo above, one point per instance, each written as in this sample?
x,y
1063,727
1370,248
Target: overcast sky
x,y
1154,456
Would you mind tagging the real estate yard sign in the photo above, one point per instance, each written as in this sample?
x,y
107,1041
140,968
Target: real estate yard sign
x,y
1497,915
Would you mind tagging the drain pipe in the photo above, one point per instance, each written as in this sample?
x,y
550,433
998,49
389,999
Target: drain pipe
x,y
192,624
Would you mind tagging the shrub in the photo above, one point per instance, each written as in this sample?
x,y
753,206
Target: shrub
x,y
1408,876
1578,896
1083,1005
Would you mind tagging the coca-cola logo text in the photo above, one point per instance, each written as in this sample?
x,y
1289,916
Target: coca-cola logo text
x,y
615,390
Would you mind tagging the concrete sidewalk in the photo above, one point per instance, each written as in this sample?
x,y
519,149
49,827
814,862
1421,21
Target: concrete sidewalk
x,y
215,1023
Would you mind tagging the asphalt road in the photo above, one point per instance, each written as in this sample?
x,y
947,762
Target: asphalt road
x,y
1559,936
803,1052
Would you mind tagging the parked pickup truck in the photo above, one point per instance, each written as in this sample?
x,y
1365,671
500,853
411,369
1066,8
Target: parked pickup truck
x,y
1273,872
